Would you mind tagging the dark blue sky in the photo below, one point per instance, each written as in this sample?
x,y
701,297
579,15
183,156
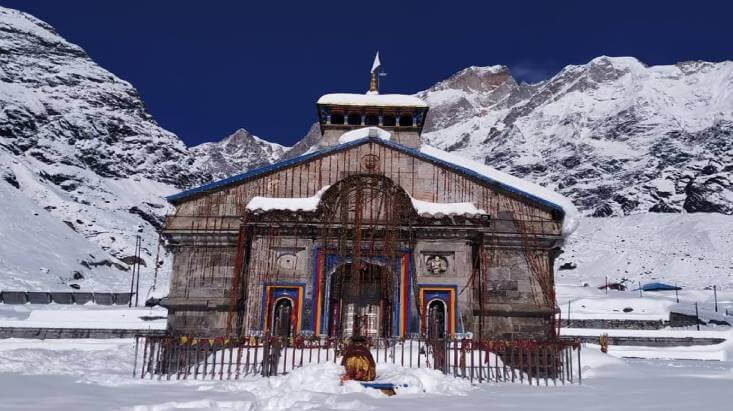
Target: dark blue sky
x,y
207,68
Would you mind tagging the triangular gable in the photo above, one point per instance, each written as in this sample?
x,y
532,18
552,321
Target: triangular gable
x,y
261,171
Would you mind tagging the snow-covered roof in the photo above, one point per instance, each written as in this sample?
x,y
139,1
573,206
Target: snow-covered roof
x,y
571,218
372,100
363,132
427,208
423,208
286,203
481,172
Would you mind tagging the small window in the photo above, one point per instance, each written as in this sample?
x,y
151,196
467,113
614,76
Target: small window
x,y
406,120
337,118
354,119
389,120
372,120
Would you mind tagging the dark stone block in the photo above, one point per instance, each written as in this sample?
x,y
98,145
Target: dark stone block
x,y
123,298
104,298
15,297
38,297
62,298
83,298
509,285
513,294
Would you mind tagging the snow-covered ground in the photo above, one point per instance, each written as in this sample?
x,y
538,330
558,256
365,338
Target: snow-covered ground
x,y
585,303
96,375
82,316
692,250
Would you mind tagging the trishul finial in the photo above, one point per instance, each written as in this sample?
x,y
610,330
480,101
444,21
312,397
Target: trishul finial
x,y
373,85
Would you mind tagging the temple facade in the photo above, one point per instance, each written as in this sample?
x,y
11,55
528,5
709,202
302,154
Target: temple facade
x,y
370,233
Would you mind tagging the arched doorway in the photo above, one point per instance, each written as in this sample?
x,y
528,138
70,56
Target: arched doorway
x,y
360,301
281,317
436,314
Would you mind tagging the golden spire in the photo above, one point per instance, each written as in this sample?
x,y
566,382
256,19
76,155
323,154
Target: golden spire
x,y
373,83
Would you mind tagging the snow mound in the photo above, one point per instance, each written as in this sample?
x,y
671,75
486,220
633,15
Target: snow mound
x,y
596,364
374,132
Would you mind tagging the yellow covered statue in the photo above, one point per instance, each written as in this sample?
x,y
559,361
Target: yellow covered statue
x,y
358,361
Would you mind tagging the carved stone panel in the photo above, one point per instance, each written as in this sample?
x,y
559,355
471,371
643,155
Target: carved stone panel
x,y
437,264
287,261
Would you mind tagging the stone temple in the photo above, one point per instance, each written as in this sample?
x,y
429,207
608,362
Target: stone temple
x,y
369,233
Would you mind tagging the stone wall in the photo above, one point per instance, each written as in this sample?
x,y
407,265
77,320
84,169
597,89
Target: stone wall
x,y
204,232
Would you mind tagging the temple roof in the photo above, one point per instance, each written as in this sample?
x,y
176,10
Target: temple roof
x,y
372,100
472,169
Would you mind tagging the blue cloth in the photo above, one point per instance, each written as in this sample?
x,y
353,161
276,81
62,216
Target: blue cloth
x,y
658,287
382,385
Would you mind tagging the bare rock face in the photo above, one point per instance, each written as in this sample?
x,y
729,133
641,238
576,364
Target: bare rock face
x,y
614,135
310,141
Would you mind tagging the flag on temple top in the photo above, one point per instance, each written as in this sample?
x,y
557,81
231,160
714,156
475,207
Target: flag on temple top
x,y
376,63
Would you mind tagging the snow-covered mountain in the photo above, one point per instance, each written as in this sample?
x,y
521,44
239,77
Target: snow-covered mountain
x,y
240,151
615,135
83,166
84,162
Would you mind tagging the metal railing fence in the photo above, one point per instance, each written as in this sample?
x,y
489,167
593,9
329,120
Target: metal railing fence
x,y
515,361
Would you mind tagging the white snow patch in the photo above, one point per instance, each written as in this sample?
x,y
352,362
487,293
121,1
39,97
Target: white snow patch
x,y
429,208
259,203
359,133
82,316
374,100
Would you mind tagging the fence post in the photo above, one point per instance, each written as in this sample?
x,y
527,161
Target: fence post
x,y
265,356
134,364
580,370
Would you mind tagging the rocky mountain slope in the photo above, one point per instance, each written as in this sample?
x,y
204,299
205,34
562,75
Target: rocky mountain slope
x,y
84,167
616,136
77,144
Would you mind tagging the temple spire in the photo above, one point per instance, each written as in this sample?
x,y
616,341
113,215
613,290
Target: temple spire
x,y
373,85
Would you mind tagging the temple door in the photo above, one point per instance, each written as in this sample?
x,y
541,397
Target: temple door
x,y
281,318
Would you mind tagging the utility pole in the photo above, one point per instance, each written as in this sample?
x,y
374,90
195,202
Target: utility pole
x,y
139,252
132,279
677,292
715,296
697,318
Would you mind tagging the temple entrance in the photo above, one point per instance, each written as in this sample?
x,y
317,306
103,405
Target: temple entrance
x,y
436,319
360,301
281,318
